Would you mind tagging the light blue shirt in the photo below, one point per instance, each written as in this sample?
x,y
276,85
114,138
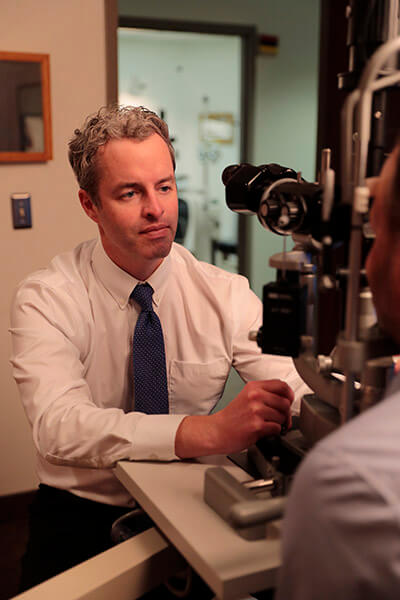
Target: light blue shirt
x,y
341,532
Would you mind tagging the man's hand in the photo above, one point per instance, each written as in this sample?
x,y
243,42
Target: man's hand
x,y
260,409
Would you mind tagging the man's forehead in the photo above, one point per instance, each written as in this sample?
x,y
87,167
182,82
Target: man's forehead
x,y
128,151
118,170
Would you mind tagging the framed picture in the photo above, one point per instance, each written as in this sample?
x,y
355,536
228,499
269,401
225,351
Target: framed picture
x,y
217,128
25,119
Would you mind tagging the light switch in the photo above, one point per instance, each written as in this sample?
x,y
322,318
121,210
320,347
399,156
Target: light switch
x,y
21,210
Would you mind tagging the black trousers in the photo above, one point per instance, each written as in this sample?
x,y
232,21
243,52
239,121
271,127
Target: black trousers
x,y
64,530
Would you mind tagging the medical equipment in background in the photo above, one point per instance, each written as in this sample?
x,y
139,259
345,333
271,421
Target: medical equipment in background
x,y
319,310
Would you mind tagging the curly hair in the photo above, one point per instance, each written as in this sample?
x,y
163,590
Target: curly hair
x,y
111,123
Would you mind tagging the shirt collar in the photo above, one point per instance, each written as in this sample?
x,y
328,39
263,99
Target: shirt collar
x,y
120,284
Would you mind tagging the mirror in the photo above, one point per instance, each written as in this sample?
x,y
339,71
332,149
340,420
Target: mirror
x,y
25,120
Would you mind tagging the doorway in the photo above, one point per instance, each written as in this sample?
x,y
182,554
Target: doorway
x,y
198,81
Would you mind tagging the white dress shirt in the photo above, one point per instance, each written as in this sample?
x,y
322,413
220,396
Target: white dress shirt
x,y
72,326
341,532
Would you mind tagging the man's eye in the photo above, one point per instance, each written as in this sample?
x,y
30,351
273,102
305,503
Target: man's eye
x,y
165,188
129,194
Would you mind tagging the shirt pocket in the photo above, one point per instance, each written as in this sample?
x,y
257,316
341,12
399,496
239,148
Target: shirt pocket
x,y
195,388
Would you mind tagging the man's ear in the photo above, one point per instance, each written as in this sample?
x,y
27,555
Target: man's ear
x,y
88,206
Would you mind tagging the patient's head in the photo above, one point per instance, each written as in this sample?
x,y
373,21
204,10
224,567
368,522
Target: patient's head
x,y
383,263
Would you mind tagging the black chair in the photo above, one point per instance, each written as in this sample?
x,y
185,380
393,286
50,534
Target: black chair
x,y
183,217
134,522
225,247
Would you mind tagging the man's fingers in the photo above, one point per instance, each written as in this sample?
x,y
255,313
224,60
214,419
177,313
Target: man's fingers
x,y
278,387
272,429
280,403
275,415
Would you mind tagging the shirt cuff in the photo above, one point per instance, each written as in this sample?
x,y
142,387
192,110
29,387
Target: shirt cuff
x,y
154,437
300,389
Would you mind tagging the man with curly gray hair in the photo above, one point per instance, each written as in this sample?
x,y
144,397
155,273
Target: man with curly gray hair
x,y
80,331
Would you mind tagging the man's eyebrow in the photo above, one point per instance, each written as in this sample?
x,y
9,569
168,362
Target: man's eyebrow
x,y
135,184
122,186
169,179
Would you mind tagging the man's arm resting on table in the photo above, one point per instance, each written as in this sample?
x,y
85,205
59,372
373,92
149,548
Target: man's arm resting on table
x,y
258,410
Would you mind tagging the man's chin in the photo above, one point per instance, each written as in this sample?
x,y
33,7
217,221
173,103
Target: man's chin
x,y
159,248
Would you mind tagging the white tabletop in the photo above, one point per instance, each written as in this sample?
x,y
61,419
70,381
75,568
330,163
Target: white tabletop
x,y
172,494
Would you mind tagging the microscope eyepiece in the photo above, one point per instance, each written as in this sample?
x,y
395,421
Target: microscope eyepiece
x,y
284,204
228,172
245,184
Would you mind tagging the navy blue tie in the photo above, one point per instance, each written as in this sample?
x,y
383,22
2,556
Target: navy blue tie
x,y
150,374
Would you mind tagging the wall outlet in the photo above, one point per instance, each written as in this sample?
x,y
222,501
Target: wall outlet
x,y
21,210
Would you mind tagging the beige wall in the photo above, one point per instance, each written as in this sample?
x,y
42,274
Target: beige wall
x,y
72,33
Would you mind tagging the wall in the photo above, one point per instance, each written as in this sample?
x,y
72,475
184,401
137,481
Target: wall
x,y
73,34
285,108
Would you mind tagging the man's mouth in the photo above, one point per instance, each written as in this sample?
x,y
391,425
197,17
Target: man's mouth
x,y
155,230
154,227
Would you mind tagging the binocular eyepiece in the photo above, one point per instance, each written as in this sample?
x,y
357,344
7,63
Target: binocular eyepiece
x,y
284,202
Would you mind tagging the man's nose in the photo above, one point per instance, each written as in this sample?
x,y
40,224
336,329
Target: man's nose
x,y
153,206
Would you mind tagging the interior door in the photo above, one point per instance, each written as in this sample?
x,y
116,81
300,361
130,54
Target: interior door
x,y
194,81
